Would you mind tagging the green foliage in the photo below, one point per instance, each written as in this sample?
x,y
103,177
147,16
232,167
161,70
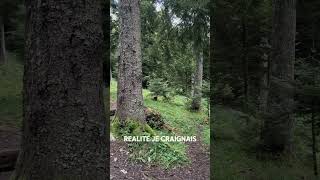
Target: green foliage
x,y
167,155
130,127
206,135
160,87
160,153
175,115
167,43
241,40
206,89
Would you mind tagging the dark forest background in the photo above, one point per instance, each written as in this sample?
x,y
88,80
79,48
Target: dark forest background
x,y
265,81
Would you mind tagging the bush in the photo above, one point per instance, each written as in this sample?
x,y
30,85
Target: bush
x,y
160,87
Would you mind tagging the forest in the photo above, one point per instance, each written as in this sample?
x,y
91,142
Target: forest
x,y
230,87
168,73
265,81
78,77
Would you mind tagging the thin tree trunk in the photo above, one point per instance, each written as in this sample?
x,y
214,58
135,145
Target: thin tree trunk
x,y
3,54
264,91
192,85
64,122
130,99
198,75
264,87
245,62
277,133
110,74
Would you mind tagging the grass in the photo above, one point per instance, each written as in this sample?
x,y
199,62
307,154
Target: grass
x,y
153,153
11,92
232,158
176,114
235,159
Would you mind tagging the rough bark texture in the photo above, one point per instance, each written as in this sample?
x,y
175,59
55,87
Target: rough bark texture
x,y
130,99
64,123
197,83
277,134
3,43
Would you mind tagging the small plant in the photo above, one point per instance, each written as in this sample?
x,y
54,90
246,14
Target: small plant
x,y
159,87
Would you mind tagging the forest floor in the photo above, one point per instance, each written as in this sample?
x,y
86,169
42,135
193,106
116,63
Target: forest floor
x,y
123,168
235,152
9,140
186,123
175,114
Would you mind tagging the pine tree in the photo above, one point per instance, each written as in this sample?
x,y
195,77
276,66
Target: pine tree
x,y
64,123
277,133
130,99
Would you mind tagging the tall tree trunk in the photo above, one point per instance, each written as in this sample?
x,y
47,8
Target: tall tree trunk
x,y
277,133
64,123
264,86
3,54
245,62
110,74
197,83
130,99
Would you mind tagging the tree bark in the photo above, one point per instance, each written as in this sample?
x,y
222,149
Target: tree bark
x,y
277,133
197,83
64,122
130,99
245,62
3,54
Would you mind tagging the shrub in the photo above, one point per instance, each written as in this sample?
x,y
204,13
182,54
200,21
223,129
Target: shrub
x,y
160,87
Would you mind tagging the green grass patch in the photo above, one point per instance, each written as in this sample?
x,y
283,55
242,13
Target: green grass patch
x,y
160,153
176,114
11,75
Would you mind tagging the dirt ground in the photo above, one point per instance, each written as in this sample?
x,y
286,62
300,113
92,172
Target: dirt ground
x,y
122,168
9,139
